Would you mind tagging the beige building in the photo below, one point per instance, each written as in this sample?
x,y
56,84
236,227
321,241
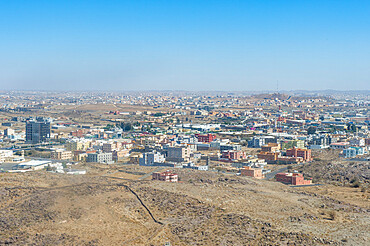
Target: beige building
x,y
120,154
77,145
178,154
61,155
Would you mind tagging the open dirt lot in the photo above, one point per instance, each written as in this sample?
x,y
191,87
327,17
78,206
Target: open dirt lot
x,y
110,206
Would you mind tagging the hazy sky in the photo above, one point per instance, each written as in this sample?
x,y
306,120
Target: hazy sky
x,y
184,44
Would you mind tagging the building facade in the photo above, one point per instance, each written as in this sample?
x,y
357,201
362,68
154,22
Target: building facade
x,y
178,154
304,153
252,172
149,159
205,138
61,155
100,157
166,176
292,179
37,132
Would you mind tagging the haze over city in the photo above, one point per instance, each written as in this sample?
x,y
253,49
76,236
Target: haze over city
x,y
184,45
177,123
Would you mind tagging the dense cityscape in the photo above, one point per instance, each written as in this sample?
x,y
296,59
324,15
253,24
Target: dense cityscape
x,y
185,123
310,144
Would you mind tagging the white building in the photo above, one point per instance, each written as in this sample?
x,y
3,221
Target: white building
x,y
149,159
33,165
353,152
100,157
6,155
357,142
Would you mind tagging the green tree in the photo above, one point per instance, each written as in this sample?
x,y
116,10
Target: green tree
x,y
126,126
351,127
311,130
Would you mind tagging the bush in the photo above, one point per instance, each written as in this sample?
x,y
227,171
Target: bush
x,y
356,184
332,215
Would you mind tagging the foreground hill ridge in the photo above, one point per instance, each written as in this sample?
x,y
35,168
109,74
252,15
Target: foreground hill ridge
x,y
205,208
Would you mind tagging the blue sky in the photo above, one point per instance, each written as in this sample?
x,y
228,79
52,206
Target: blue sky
x,y
185,45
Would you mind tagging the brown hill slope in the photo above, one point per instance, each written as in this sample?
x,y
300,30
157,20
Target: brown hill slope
x,y
206,208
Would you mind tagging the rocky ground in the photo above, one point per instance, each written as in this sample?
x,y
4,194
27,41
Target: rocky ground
x,y
329,167
110,206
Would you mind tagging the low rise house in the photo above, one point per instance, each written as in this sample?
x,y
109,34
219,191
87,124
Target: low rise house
x,y
33,165
292,179
252,172
166,176
339,145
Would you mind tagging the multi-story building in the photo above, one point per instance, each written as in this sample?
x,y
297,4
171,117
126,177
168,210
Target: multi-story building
x,y
178,154
78,133
108,147
205,138
268,156
119,155
304,153
292,143
77,145
61,155
166,176
258,142
150,159
233,155
230,147
353,152
271,147
6,155
112,146
321,140
357,142
37,132
8,132
100,157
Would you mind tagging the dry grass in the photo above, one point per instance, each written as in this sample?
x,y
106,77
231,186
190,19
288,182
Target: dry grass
x,y
205,208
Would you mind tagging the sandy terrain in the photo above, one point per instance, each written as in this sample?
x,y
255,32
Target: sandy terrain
x,y
205,208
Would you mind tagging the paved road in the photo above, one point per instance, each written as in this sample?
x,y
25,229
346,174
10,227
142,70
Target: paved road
x,y
150,173
271,175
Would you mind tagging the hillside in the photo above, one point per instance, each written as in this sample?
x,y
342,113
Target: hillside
x,y
205,208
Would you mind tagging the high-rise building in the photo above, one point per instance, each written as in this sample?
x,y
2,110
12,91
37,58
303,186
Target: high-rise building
x,y
37,131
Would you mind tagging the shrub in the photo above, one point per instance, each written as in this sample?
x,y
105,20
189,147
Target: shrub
x,y
332,215
356,184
